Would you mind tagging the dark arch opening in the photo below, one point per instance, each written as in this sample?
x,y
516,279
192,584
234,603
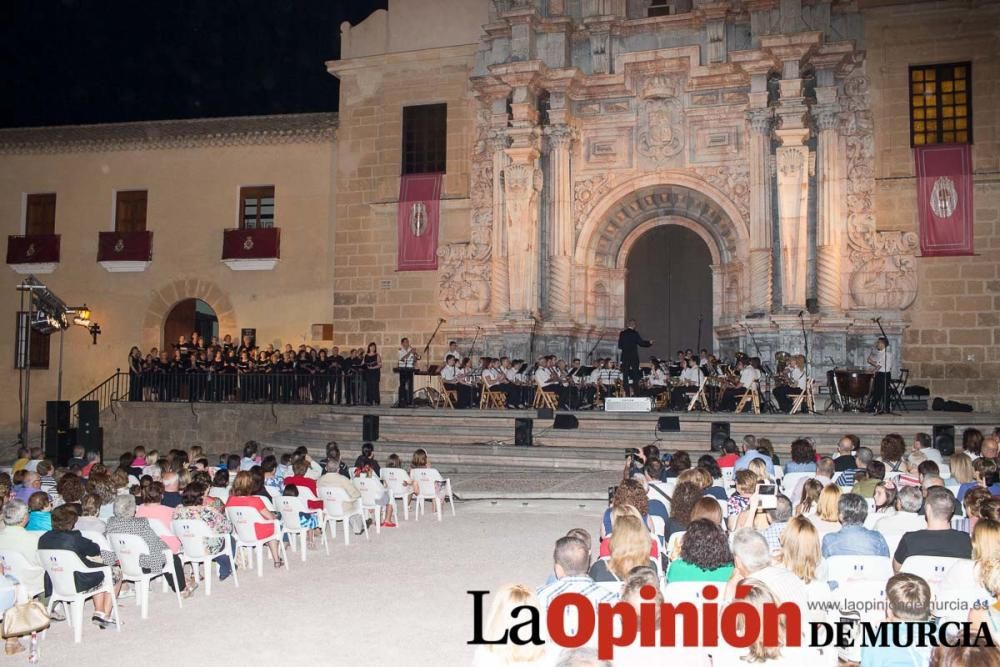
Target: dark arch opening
x,y
668,286
189,316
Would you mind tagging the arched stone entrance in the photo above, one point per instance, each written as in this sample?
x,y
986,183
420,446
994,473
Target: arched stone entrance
x,y
189,316
163,300
626,213
668,287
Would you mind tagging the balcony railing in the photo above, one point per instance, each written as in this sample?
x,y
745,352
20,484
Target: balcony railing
x,y
251,249
33,253
125,251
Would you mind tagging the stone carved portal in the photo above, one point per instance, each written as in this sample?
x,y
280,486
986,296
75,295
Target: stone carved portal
x,y
621,223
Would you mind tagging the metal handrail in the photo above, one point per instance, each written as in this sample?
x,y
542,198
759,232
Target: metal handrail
x,y
106,393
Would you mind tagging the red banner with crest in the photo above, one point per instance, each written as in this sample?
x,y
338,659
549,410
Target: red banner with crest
x,y
944,199
417,222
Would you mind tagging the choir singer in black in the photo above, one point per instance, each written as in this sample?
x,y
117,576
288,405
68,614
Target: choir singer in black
x,y
629,342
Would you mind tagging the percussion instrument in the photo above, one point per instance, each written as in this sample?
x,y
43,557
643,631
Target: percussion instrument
x,y
854,387
781,359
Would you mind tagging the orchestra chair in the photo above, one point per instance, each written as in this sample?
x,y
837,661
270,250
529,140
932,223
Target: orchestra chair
x,y
751,396
492,399
805,397
700,399
662,400
546,399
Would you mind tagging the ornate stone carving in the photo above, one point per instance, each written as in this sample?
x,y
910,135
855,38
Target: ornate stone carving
x,y
793,192
661,129
588,192
857,127
733,180
885,274
522,183
464,287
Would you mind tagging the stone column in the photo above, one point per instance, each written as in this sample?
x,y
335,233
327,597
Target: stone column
x,y
760,210
522,185
828,209
561,232
499,284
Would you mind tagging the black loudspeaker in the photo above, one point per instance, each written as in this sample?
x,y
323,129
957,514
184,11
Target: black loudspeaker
x,y
58,437
89,433
812,305
720,432
369,428
668,424
522,431
567,422
546,413
944,439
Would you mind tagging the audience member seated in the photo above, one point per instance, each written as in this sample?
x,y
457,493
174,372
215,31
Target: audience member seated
x,y
862,457
709,466
750,453
505,613
656,490
153,509
704,556
679,462
171,489
242,495
730,454
853,539
777,522
973,506
892,451
972,443
752,558
906,518
827,516
39,512
71,488
570,564
193,507
334,478
31,483
125,522
803,457
65,538
908,601
824,475
628,492
800,553
885,502
923,443
984,475
989,578
875,473
960,466
746,485
14,537
635,655
808,503
298,477
846,449
686,494
766,447
629,546
938,539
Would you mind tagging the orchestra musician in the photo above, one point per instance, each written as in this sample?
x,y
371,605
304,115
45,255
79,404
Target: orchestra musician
x,y
453,352
657,380
629,342
408,359
495,379
796,373
547,377
880,360
748,376
451,378
691,378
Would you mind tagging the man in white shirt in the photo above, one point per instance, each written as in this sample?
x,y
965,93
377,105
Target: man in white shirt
x,y
748,376
408,359
453,352
333,478
922,443
547,378
906,519
881,361
451,378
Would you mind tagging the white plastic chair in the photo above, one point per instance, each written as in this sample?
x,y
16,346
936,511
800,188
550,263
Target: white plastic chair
x,y
371,490
338,506
15,564
856,568
425,479
400,488
687,591
220,492
128,548
290,507
100,539
929,568
729,477
193,535
792,479
865,597
60,566
243,520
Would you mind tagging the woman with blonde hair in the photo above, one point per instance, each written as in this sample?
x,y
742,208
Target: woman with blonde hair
x,y
985,548
989,577
810,497
630,547
504,613
759,468
800,549
827,517
961,468
152,467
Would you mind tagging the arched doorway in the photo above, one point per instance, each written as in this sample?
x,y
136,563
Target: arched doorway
x,y
668,287
188,316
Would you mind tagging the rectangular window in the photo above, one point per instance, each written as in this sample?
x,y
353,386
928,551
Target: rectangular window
x,y
40,214
941,104
39,344
658,8
130,211
257,207
425,138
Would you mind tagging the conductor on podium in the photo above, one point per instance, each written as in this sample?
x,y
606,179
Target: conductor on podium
x,y
629,342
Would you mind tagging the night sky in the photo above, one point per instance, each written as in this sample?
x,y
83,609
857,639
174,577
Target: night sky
x,y
100,61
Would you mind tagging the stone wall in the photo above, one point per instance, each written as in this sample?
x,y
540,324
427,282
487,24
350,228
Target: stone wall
x,y
372,301
952,344
218,428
